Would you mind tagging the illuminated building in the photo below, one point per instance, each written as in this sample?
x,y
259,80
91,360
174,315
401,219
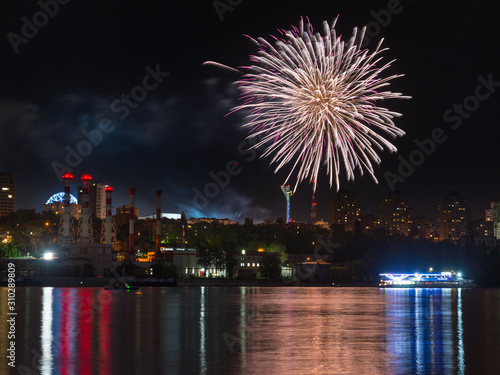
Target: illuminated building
x,y
123,214
97,199
453,217
395,215
369,223
169,215
248,262
7,193
210,220
493,215
344,210
482,228
424,227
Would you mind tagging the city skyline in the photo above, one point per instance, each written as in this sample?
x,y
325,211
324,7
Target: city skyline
x,y
68,90
97,204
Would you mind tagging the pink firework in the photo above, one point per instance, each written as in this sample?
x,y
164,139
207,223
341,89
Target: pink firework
x,y
311,102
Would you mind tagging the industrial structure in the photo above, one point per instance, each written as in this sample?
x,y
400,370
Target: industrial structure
x,y
313,206
81,249
66,226
97,198
131,229
158,224
288,193
85,229
108,229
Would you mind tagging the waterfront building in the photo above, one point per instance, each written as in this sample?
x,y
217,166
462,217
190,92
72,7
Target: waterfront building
x,y
7,193
424,227
248,262
344,210
453,217
492,215
395,216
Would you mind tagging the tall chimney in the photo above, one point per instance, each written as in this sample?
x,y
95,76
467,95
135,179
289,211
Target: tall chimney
x,y
313,206
65,235
158,222
131,226
109,191
86,227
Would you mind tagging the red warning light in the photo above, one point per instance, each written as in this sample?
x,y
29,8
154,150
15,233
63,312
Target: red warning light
x,y
86,177
67,176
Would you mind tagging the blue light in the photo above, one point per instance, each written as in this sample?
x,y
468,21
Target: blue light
x,y
59,197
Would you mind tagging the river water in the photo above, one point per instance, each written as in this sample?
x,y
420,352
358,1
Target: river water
x,y
253,330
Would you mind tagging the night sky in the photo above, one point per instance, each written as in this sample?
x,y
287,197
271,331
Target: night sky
x,y
67,78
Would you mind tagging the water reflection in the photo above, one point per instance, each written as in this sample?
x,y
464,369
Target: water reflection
x,y
46,336
203,343
257,331
425,330
75,332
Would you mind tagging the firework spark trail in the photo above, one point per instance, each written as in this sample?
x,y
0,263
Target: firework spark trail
x,y
311,101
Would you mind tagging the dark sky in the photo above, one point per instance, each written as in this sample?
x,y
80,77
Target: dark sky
x,y
67,74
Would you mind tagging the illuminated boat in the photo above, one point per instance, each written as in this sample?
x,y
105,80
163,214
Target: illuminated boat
x,y
424,280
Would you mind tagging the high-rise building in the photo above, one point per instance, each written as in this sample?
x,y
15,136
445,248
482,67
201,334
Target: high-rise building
x,y
453,217
97,199
481,228
123,214
369,223
7,193
344,210
493,215
424,227
395,215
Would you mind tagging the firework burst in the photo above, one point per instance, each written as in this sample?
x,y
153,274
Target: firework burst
x,y
311,102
